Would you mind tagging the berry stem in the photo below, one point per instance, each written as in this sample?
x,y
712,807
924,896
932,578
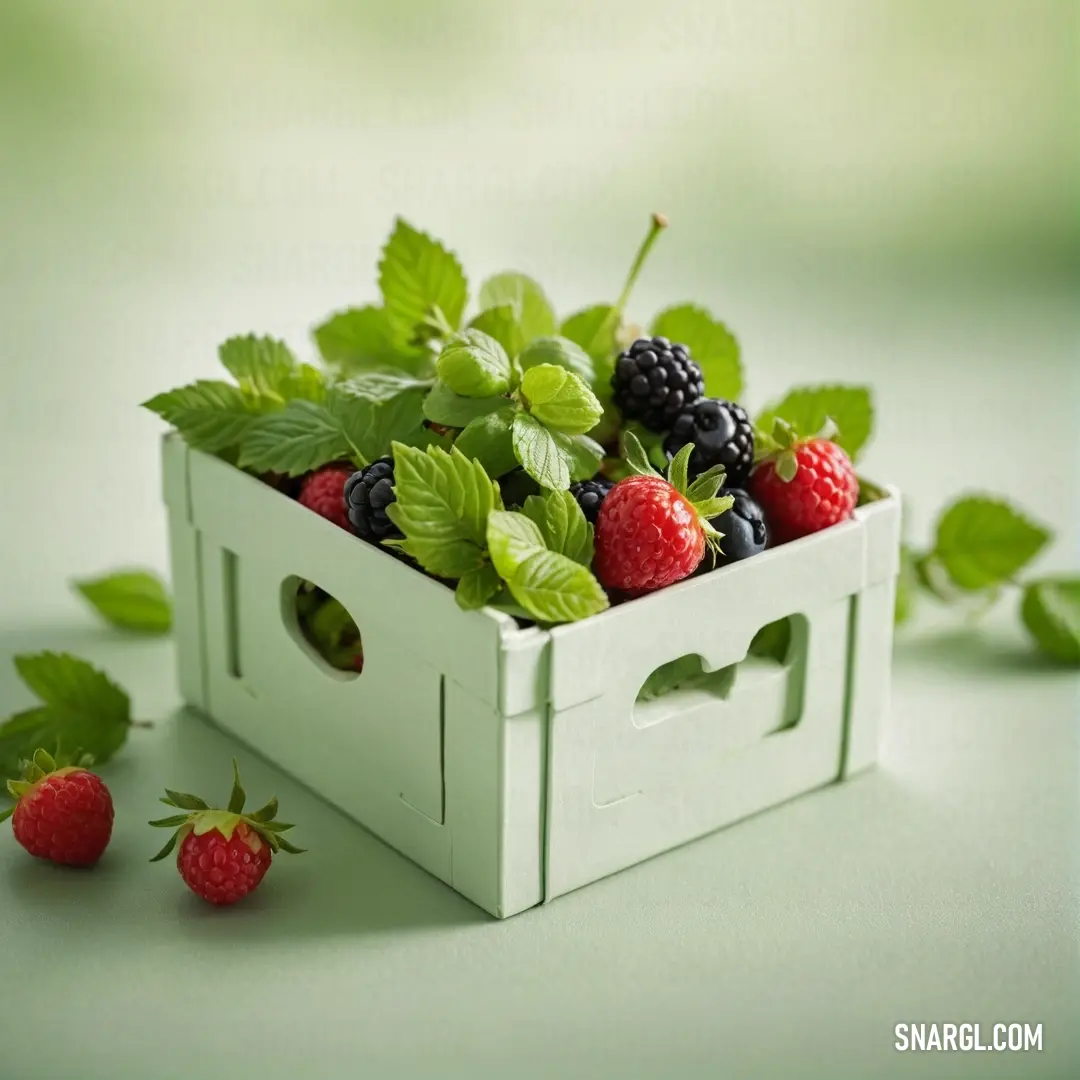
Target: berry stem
x,y
142,723
656,226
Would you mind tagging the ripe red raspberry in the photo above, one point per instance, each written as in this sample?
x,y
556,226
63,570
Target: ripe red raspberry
x,y
648,535
223,869
822,492
223,853
64,815
324,492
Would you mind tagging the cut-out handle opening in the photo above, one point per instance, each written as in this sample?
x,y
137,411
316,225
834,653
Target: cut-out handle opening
x,y
683,684
323,628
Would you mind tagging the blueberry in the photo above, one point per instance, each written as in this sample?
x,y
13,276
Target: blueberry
x,y
744,529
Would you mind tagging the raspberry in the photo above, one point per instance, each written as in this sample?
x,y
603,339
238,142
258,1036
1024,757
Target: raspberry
x,y
367,495
223,870
323,492
64,815
654,380
721,434
822,492
647,536
743,528
590,495
223,854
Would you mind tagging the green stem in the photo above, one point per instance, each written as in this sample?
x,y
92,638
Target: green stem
x,y
614,316
142,723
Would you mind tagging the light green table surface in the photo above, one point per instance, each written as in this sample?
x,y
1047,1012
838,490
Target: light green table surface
x,y
942,887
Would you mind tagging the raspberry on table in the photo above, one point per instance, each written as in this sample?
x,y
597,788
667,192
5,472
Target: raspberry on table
x,y
823,491
721,434
324,492
64,815
223,854
368,493
654,380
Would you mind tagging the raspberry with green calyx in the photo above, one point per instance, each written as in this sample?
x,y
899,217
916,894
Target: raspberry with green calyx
x,y
223,854
802,484
63,812
652,531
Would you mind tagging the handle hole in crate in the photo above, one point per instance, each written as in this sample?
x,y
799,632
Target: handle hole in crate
x,y
323,628
680,684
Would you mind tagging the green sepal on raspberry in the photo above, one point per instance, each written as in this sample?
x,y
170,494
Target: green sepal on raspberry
x,y
41,765
779,444
702,495
200,818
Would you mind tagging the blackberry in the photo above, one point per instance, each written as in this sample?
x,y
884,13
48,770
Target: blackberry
x,y
744,529
368,493
654,380
722,435
590,495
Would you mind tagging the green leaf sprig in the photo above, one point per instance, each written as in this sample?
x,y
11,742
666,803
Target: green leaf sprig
x,y
981,544
79,706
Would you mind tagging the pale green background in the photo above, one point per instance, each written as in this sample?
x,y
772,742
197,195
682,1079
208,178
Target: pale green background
x,y
866,191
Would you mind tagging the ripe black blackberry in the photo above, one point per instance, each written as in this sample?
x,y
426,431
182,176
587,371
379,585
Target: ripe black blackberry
x,y
654,380
368,492
722,435
590,495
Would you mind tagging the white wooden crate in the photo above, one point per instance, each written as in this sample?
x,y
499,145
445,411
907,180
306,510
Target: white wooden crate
x,y
517,764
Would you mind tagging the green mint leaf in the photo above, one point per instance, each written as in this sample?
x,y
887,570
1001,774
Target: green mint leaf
x,y
130,599
474,364
678,470
331,625
442,505
711,344
81,707
371,427
1051,612
634,455
477,587
511,539
982,542
560,351
443,406
258,363
416,275
906,586
380,386
210,415
302,437
501,324
489,439
360,339
563,525
303,382
554,589
772,641
532,309
585,455
545,455
807,408
593,329
560,399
